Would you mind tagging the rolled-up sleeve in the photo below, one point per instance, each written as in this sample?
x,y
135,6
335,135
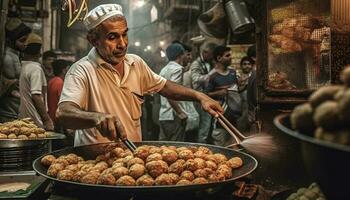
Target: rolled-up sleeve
x,y
75,87
152,82
37,81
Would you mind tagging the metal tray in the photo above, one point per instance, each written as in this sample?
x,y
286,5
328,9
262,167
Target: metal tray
x,y
11,143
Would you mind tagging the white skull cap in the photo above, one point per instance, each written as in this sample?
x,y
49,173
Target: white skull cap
x,y
102,12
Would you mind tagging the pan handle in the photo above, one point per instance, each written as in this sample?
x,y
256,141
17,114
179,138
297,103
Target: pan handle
x,y
235,146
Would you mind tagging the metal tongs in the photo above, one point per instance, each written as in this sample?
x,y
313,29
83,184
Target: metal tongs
x,y
232,130
130,145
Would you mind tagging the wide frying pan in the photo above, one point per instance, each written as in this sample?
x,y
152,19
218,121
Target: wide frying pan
x,y
91,151
328,163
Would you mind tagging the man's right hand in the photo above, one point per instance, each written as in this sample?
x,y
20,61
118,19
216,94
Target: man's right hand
x,y
48,125
110,127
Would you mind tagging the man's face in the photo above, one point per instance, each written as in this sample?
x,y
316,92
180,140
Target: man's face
x,y
20,43
226,59
47,62
188,58
246,67
112,42
207,55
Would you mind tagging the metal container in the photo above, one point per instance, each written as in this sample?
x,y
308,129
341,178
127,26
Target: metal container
x,y
238,16
328,163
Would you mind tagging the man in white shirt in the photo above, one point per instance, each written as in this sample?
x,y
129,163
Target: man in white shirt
x,y
32,85
103,92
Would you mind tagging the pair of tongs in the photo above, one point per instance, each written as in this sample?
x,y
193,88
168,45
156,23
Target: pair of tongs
x,y
130,145
232,130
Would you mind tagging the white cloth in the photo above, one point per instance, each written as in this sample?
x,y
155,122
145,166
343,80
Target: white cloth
x,y
173,72
32,81
102,12
95,86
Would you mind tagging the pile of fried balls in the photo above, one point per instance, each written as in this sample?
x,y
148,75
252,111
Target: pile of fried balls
x,y
147,166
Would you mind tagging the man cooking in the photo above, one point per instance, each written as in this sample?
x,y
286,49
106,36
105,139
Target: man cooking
x,y
103,92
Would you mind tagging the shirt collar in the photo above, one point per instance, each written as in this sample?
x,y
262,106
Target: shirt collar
x,y
175,63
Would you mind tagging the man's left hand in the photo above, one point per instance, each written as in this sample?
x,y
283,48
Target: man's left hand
x,y
210,105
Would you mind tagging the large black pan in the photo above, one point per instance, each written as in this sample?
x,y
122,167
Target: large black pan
x,y
91,151
328,163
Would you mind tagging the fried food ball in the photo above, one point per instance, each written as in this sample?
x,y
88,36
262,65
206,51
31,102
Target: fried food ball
x,y
142,152
301,118
327,115
156,168
211,164
153,150
47,160
118,164
65,174
90,178
101,157
41,135
107,171
225,170
119,160
91,162
169,156
25,131
199,180
145,180
13,136
200,163
14,130
117,152
126,181
106,179
172,148
133,161
119,172
323,94
3,136
220,158
126,153
100,166
200,154
54,169
110,161
211,157
38,130
137,170
163,179
80,159
74,168
61,160
174,178
23,137
154,157
178,150
205,150
79,175
203,172
177,167
191,165
193,148
32,136
87,167
188,175
127,158
72,158
186,154
344,106
184,182
216,177
345,75
235,162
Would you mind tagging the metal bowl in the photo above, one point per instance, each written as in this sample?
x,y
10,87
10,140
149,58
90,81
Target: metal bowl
x,y
91,151
328,163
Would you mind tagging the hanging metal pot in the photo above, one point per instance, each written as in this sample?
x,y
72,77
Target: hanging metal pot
x,y
238,16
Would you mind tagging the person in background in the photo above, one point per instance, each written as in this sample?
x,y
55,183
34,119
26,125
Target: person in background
x,y
48,58
201,69
16,33
33,85
60,68
172,117
252,96
222,83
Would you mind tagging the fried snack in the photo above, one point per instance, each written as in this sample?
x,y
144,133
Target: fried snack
x,y
126,159
301,118
211,164
177,167
324,94
133,161
203,172
185,154
119,172
90,178
153,150
220,158
156,168
137,170
225,170
66,175
163,179
54,169
201,164
188,175
344,106
101,157
12,136
23,137
235,162
174,178
47,160
169,156
61,160
73,167
32,136
327,115
126,181
117,152
106,179
154,157
3,136
184,182
72,158
200,154
142,152
216,177
199,180
118,164
345,75
145,180
79,175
